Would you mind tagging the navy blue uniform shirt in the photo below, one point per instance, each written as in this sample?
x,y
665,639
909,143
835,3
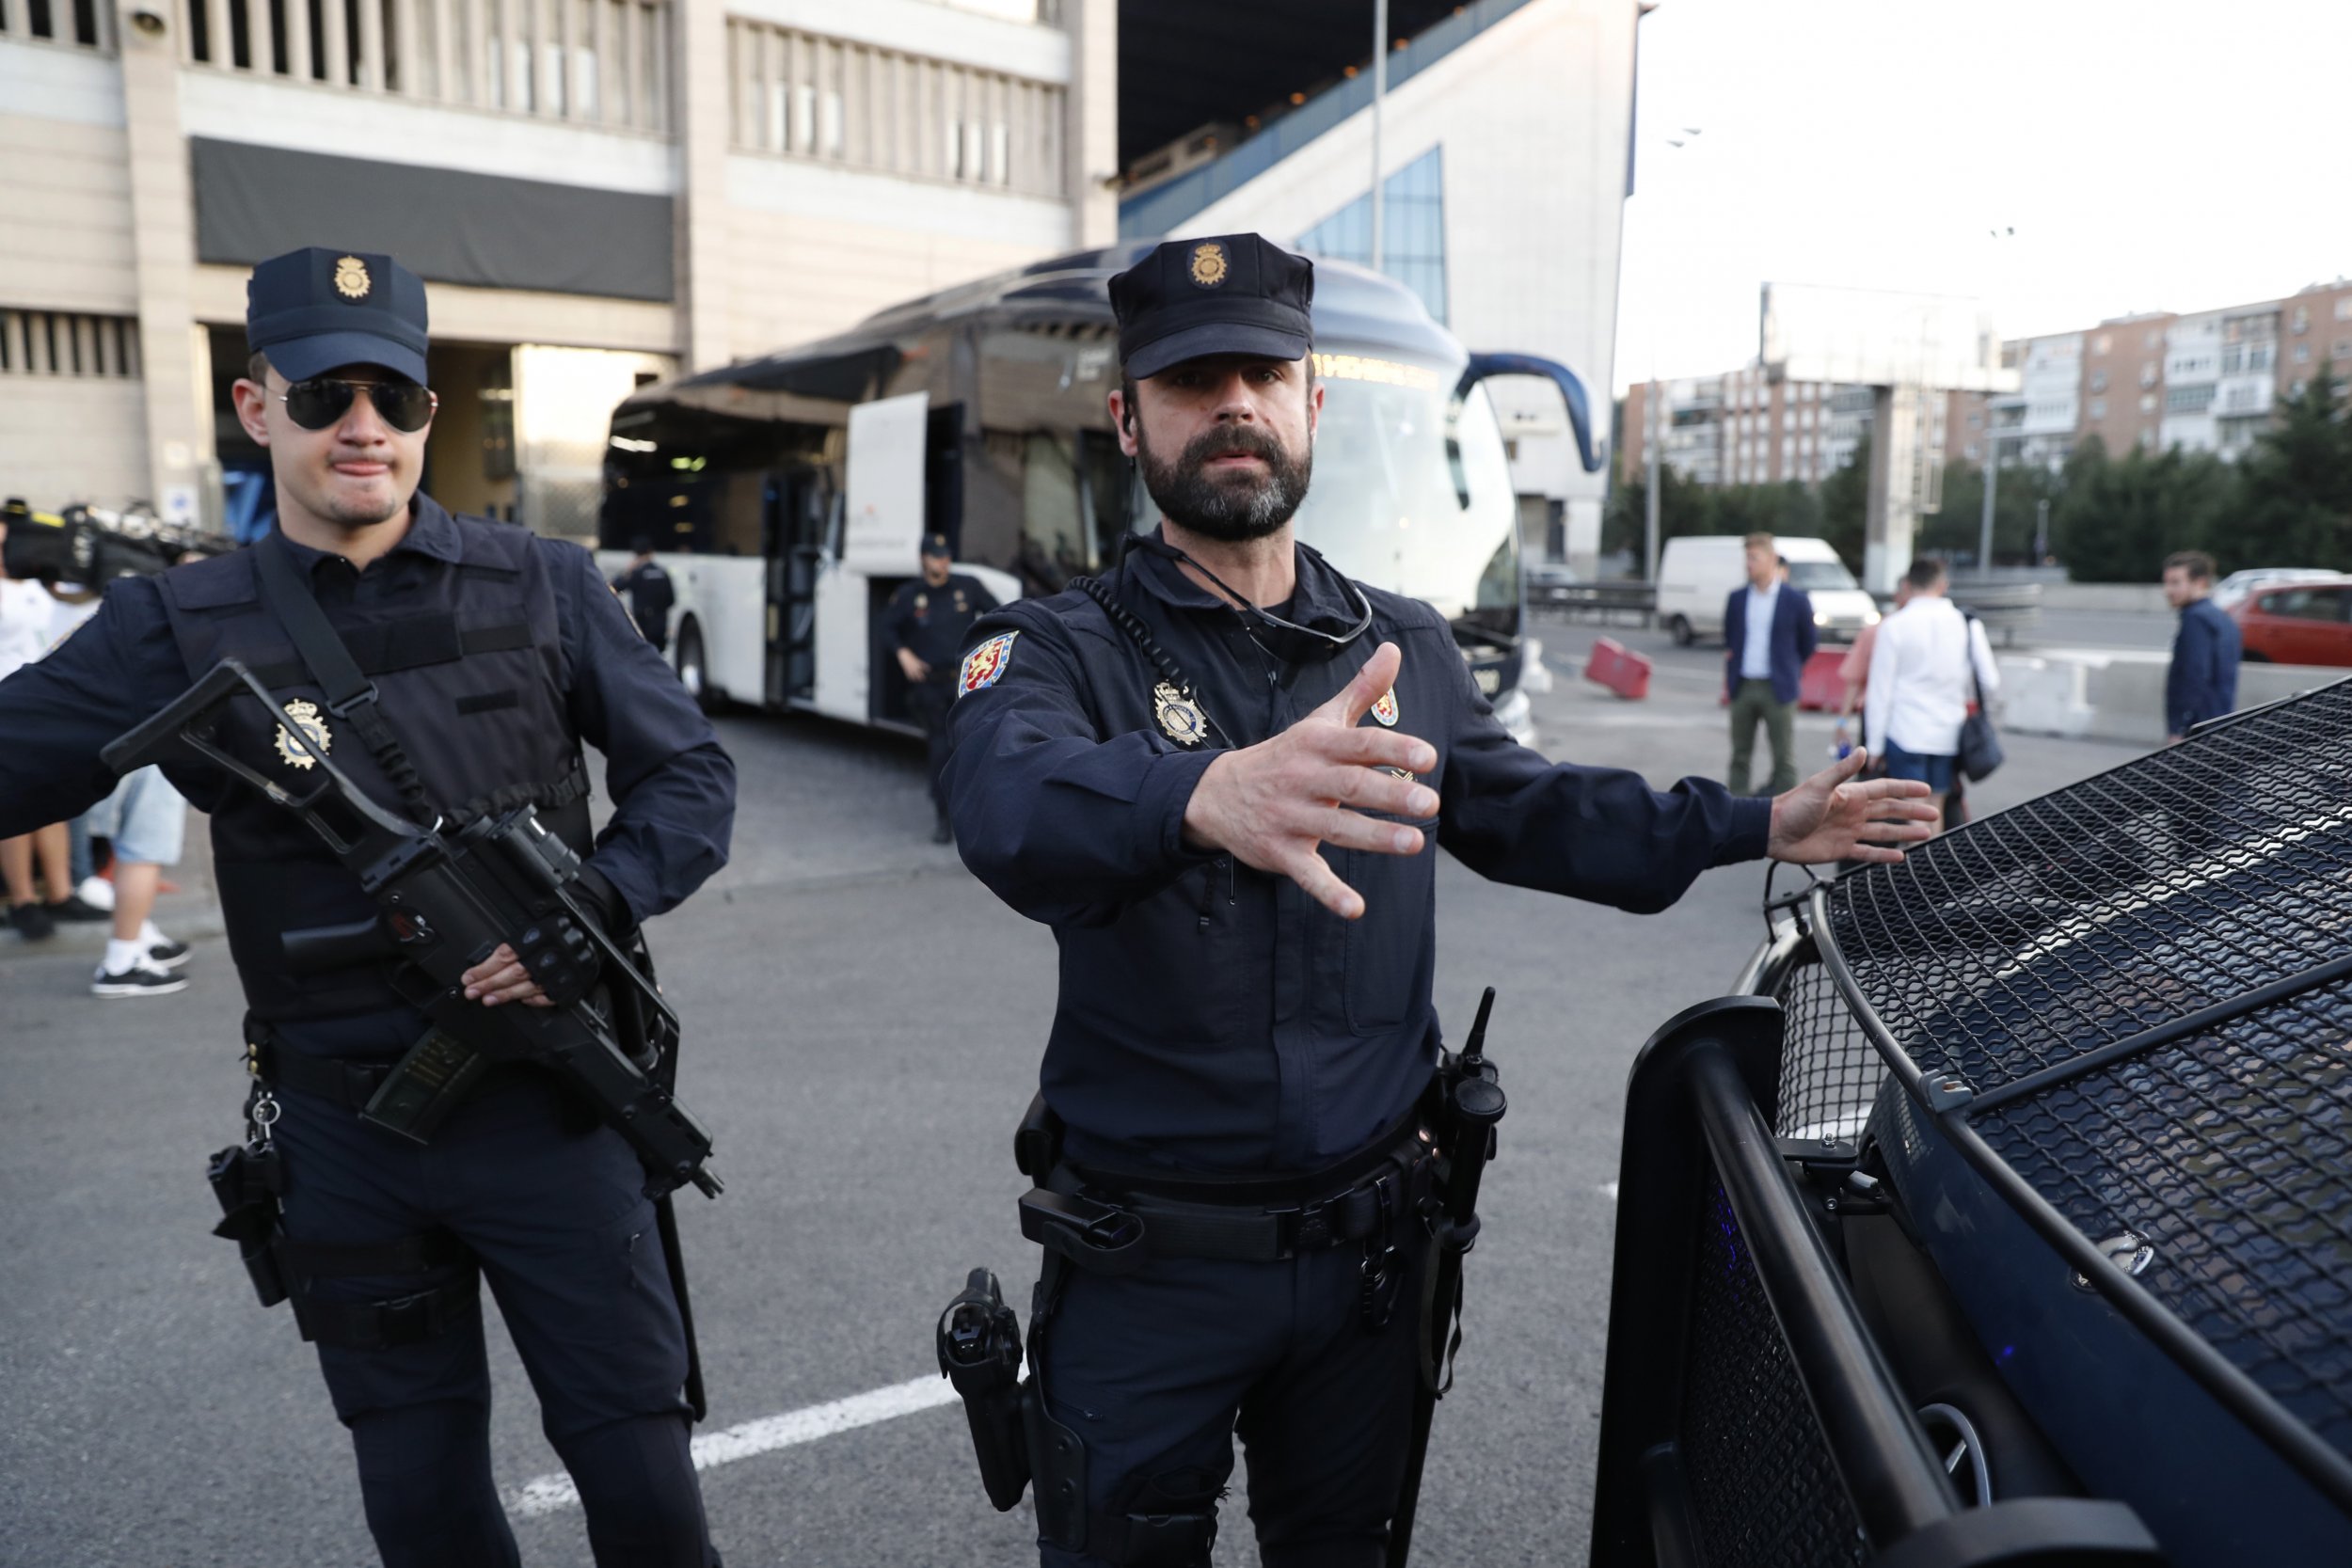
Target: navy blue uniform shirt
x,y
932,621
672,786
2202,682
1212,1017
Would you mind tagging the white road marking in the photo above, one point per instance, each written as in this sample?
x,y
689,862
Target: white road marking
x,y
548,1493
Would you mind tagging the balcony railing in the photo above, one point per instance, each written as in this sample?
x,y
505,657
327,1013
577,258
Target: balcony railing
x,y
841,102
86,23
590,62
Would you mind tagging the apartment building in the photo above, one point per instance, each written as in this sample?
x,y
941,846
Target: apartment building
x,y
2210,380
597,193
1746,428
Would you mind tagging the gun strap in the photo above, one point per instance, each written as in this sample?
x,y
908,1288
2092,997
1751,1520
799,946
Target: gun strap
x,y
349,694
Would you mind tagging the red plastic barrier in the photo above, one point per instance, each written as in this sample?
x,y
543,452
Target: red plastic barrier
x,y
1820,688
1618,668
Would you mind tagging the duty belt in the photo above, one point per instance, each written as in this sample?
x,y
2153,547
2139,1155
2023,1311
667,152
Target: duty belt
x,y
1110,1220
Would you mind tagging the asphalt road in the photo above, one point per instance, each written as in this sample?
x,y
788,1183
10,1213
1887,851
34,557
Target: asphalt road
x,y
865,1025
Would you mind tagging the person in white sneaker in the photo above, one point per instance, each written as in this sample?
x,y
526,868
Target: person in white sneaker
x,y
147,819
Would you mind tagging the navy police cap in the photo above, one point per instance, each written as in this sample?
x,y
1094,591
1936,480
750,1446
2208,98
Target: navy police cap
x,y
1228,293
313,309
936,543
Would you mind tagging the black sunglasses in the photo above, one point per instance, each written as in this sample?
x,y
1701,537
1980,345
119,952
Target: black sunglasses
x,y
323,399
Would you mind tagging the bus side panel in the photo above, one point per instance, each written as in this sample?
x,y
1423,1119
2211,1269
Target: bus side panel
x,y
843,679
729,596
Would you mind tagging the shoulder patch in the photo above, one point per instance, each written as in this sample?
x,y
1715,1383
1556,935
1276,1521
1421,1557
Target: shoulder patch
x,y
984,665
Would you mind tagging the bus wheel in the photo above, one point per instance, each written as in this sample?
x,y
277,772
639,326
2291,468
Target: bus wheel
x,y
691,673
1680,626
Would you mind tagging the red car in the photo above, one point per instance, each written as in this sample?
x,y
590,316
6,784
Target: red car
x,y
2298,624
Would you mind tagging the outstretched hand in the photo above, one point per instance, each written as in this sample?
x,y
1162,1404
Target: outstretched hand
x,y
1272,805
1835,817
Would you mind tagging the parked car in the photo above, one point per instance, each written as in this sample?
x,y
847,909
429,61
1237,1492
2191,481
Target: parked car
x,y
2231,590
1699,571
2304,622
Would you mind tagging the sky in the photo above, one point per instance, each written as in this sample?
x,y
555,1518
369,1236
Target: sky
x,y
2152,155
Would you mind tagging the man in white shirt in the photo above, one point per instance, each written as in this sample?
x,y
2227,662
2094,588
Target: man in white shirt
x,y
1928,664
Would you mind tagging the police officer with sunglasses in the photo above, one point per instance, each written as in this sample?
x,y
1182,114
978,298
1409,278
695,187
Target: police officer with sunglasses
x,y
491,657
1221,774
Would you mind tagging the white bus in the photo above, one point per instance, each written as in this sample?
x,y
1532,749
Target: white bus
x,y
787,496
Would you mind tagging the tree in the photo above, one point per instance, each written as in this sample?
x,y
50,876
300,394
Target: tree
x,y
1845,505
1956,530
2116,520
2295,506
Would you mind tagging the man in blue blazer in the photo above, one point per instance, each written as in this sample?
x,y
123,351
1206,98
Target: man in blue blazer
x,y
1763,670
2202,682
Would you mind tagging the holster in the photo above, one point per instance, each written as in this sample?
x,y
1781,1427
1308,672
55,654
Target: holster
x,y
247,1179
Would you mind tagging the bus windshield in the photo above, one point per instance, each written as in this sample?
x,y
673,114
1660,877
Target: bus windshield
x,y
1413,489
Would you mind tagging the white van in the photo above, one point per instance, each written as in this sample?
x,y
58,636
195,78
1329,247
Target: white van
x,y
1699,572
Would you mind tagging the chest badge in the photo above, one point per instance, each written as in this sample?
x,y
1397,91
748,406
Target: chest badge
x,y
1385,709
305,716
984,666
922,602
1179,714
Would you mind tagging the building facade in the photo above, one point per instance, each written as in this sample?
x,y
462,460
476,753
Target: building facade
x,y
1506,138
2207,382
598,193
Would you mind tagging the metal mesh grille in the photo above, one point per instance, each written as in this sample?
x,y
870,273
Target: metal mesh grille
x,y
2177,882
1829,1072
2231,1155
1763,1489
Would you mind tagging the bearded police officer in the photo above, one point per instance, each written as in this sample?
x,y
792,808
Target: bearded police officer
x,y
925,621
1220,774
491,656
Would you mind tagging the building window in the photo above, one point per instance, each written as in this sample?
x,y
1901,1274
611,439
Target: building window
x,y
805,96
2098,381
2302,354
1413,230
2188,400
57,342
2302,321
2098,408
2147,403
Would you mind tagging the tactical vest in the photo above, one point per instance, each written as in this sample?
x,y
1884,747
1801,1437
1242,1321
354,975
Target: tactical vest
x,y
470,675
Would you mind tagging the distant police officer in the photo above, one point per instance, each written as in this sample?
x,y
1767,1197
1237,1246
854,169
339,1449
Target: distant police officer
x,y
493,656
649,592
925,621
1222,788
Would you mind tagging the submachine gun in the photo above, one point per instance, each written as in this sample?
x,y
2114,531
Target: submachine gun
x,y
449,899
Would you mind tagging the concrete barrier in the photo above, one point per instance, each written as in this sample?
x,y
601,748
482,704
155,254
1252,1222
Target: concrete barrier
x,y
2133,598
2118,694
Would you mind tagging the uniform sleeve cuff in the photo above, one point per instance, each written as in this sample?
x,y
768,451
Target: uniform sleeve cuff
x,y
607,902
1160,808
1751,830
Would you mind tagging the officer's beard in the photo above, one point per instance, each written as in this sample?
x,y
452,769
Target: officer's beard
x,y
1234,505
